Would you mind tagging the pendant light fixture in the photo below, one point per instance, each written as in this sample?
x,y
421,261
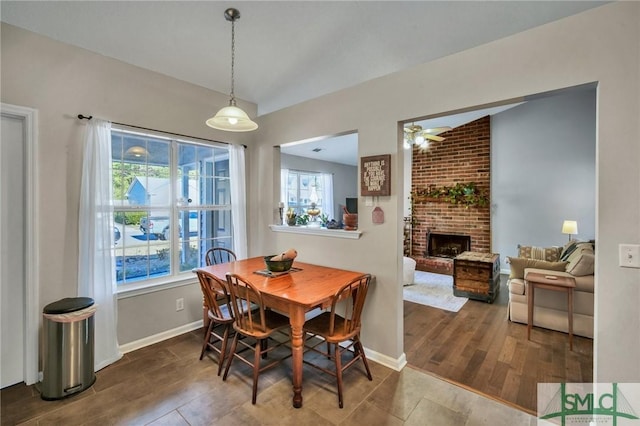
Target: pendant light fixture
x,y
231,118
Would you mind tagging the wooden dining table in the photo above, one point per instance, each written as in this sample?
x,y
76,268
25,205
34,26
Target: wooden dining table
x,y
304,288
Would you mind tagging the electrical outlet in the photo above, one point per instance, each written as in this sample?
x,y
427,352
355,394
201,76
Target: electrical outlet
x,y
179,304
629,255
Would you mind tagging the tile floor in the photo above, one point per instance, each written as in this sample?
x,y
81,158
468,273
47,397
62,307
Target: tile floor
x,y
166,384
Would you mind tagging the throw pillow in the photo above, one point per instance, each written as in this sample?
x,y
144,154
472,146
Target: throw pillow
x,y
581,265
550,254
568,249
572,246
518,265
579,250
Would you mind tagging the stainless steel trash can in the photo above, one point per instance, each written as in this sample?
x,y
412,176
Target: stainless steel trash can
x,y
68,347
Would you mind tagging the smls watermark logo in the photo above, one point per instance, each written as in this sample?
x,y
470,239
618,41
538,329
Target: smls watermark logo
x,y
589,404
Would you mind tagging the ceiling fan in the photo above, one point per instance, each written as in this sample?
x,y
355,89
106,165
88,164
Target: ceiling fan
x,y
416,135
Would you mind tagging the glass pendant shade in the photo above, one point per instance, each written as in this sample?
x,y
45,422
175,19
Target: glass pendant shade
x,y
232,119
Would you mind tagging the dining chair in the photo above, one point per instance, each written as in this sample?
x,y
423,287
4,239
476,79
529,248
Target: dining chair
x,y
260,324
219,315
341,324
214,256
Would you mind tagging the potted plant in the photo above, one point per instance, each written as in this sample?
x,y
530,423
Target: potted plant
x,y
291,217
302,219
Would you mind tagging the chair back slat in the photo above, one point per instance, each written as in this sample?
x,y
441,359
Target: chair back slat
x,y
243,294
214,291
217,255
347,306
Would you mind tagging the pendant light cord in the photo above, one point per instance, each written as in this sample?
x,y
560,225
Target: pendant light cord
x,y
233,60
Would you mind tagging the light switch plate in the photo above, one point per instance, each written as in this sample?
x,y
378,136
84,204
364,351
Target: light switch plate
x,y
629,255
368,201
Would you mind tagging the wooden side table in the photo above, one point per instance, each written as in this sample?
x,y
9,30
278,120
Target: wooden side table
x,y
549,282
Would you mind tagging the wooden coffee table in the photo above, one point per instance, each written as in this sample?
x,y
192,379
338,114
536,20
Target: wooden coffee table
x,y
554,283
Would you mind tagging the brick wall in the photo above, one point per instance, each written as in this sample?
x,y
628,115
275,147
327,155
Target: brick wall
x,y
463,157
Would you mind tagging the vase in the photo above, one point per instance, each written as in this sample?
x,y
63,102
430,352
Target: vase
x,y
350,221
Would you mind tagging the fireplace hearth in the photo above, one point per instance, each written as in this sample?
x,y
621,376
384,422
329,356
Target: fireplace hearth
x,y
447,245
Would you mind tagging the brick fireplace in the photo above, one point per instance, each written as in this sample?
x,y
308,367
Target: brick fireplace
x,y
463,157
446,245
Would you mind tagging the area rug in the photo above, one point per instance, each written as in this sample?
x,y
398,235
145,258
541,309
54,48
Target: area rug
x,y
434,290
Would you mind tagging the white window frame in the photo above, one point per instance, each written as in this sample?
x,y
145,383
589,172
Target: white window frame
x,y
175,278
302,208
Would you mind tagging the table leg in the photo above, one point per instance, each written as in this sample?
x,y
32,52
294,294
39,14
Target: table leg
x,y
530,288
296,319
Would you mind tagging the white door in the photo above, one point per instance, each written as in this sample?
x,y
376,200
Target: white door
x,y
12,237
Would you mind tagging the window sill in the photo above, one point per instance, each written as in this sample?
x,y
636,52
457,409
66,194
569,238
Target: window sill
x,y
150,287
322,232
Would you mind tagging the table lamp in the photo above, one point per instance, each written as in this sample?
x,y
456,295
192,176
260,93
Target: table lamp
x,y
570,227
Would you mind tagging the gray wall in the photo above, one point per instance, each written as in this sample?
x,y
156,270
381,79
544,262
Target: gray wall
x,y
345,178
61,81
543,165
509,70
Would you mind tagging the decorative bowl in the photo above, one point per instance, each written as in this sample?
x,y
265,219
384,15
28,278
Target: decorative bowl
x,y
277,265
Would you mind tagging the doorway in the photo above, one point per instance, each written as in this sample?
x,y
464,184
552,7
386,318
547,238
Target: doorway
x,y
19,299
463,349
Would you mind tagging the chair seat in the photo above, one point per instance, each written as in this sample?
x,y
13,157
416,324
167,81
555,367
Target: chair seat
x,y
273,322
320,325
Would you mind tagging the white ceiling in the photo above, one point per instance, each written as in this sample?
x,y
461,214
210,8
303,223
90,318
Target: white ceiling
x,y
336,149
286,51
344,149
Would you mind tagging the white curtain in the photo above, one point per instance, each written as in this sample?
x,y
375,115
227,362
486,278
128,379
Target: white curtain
x,y
95,230
284,176
238,190
327,202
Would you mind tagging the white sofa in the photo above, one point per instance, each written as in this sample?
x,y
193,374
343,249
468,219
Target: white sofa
x,y
550,307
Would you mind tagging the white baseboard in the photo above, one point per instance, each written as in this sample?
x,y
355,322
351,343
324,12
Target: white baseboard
x,y
395,364
150,340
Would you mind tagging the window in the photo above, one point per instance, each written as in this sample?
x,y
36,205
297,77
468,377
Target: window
x,y
300,186
171,204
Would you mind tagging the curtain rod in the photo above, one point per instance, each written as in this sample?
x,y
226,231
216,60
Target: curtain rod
x,y
84,117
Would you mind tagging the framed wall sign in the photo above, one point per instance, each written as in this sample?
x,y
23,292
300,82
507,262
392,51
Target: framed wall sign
x,y
375,175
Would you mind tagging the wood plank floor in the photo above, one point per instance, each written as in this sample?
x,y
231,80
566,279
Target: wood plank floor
x,y
166,385
479,348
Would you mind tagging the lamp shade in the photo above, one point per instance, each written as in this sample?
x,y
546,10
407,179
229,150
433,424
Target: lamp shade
x,y
232,119
570,227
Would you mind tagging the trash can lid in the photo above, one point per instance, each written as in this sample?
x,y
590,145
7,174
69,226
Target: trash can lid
x,y
68,304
